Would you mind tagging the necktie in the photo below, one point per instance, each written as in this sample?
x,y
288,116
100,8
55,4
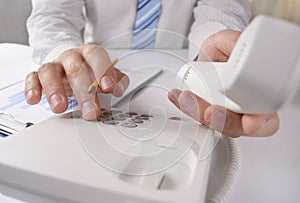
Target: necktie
x,y
145,24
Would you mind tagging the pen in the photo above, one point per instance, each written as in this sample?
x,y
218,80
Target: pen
x,y
93,87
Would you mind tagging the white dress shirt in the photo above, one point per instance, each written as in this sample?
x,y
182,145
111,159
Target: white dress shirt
x,y
57,25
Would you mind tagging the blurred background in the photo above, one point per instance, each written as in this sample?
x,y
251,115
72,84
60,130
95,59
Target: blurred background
x,y
13,15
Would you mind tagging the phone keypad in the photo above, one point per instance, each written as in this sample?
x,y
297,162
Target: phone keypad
x,y
124,119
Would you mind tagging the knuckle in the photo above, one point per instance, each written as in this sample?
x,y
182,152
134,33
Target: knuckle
x,y
52,89
44,67
72,63
92,49
72,72
67,54
31,75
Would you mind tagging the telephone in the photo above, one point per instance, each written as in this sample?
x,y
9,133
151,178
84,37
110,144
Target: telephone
x,y
121,157
136,157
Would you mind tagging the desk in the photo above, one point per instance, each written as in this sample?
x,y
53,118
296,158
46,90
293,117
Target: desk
x,y
270,166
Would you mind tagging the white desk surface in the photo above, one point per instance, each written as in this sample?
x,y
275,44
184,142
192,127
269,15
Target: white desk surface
x,y
270,166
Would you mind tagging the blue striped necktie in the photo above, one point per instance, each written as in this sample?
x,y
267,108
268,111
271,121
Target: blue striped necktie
x,y
145,24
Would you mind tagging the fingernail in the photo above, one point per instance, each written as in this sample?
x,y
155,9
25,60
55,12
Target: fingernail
x,y
31,93
55,100
106,82
89,110
264,123
174,94
187,102
218,119
265,128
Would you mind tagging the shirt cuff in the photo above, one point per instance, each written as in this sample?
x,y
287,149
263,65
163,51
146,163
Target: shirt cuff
x,y
200,34
56,51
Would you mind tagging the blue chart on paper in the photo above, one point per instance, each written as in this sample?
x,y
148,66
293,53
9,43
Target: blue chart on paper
x,y
13,101
19,98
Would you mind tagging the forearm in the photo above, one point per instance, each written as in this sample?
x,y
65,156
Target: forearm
x,y
54,26
212,16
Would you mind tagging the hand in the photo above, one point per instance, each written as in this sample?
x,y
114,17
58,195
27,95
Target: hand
x,y
222,119
218,48
71,74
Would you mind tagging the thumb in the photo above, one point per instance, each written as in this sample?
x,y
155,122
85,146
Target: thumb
x,y
219,46
225,41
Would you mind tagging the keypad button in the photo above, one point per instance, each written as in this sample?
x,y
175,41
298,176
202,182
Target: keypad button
x,y
146,115
111,122
117,118
116,111
108,113
137,120
104,116
129,125
126,115
142,118
132,113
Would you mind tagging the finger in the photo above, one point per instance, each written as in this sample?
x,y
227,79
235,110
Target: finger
x,y
122,85
241,124
189,103
50,75
33,88
223,120
219,46
68,88
260,125
108,81
173,97
215,117
99,61
225,41
210,53
80,76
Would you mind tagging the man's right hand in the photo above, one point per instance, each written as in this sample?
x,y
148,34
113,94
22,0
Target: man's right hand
x,y
71,74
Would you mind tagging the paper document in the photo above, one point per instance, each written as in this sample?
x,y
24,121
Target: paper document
x,y
13,100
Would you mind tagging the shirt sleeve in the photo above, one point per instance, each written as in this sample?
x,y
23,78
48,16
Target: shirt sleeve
x,y
54,26
212,16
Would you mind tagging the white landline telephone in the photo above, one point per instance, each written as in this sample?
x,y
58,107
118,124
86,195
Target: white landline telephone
x,y
137,157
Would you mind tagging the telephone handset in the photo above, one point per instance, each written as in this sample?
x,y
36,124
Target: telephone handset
x,y
262,74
